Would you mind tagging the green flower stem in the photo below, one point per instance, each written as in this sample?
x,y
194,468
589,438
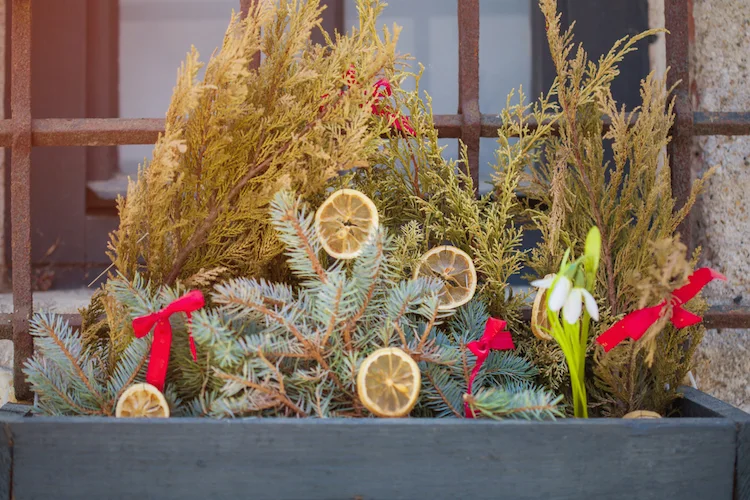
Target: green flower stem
x,y
573,341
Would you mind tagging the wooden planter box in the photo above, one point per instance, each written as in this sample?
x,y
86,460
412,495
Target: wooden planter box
x,y
703,455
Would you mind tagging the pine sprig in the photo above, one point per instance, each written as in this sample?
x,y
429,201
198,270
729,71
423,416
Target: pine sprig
x,y
71,379
516,402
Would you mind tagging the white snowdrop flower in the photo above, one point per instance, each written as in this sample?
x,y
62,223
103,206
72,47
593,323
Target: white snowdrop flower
x,y
573,305
544,283
559,294
570,300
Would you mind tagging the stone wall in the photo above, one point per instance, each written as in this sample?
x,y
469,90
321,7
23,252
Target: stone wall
x,y
720,49
720,72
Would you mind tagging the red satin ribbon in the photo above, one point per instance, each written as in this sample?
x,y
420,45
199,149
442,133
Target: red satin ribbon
x,y
157,363
494,337
635,324
400,122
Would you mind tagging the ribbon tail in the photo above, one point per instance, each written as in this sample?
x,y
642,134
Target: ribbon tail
x,y
156,374
682,318
467,411
696,282
634,325
190,337
481,358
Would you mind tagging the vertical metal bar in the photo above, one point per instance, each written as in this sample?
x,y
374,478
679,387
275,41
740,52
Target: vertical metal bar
x,y
20,190
468,82
244,10
677,22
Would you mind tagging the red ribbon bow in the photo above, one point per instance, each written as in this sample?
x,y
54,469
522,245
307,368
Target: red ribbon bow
x,y
400,122
157,363
635,324
494,337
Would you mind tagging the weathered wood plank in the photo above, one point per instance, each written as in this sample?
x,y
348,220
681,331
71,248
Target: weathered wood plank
x,y
6,463
700,404
372,459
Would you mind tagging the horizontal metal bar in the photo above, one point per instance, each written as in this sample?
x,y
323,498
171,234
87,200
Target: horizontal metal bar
x,y
718,317
727,317
123,131
6,326
87,131
721,123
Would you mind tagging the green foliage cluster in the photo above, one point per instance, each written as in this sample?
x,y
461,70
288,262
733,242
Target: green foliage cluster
x,y
431,201
284,351
570,188
271,349
241,133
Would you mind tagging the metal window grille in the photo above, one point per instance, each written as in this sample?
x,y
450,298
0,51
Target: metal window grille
x,y
20,133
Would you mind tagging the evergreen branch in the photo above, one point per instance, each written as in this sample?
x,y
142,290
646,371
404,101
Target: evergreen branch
x,y
351,323
133,375
334,319
519,402
66,398
49,331
428,328
260,388
442,395
603,228
291,217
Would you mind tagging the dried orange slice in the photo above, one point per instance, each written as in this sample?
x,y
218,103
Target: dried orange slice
x,y
642,414
539,320
388,382
456,269
142,400
344,222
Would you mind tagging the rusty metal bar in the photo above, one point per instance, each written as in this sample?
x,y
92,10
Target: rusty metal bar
x,y
727,317
721,123
244,10
123,131
715,317
677,22
96,131
468,82
20,191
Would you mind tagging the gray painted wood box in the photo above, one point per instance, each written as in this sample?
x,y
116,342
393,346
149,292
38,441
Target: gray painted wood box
x,y
705,454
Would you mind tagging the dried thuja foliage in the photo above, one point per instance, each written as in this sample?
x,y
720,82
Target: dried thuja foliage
x,y
235,137
430,201
646,373
571,187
